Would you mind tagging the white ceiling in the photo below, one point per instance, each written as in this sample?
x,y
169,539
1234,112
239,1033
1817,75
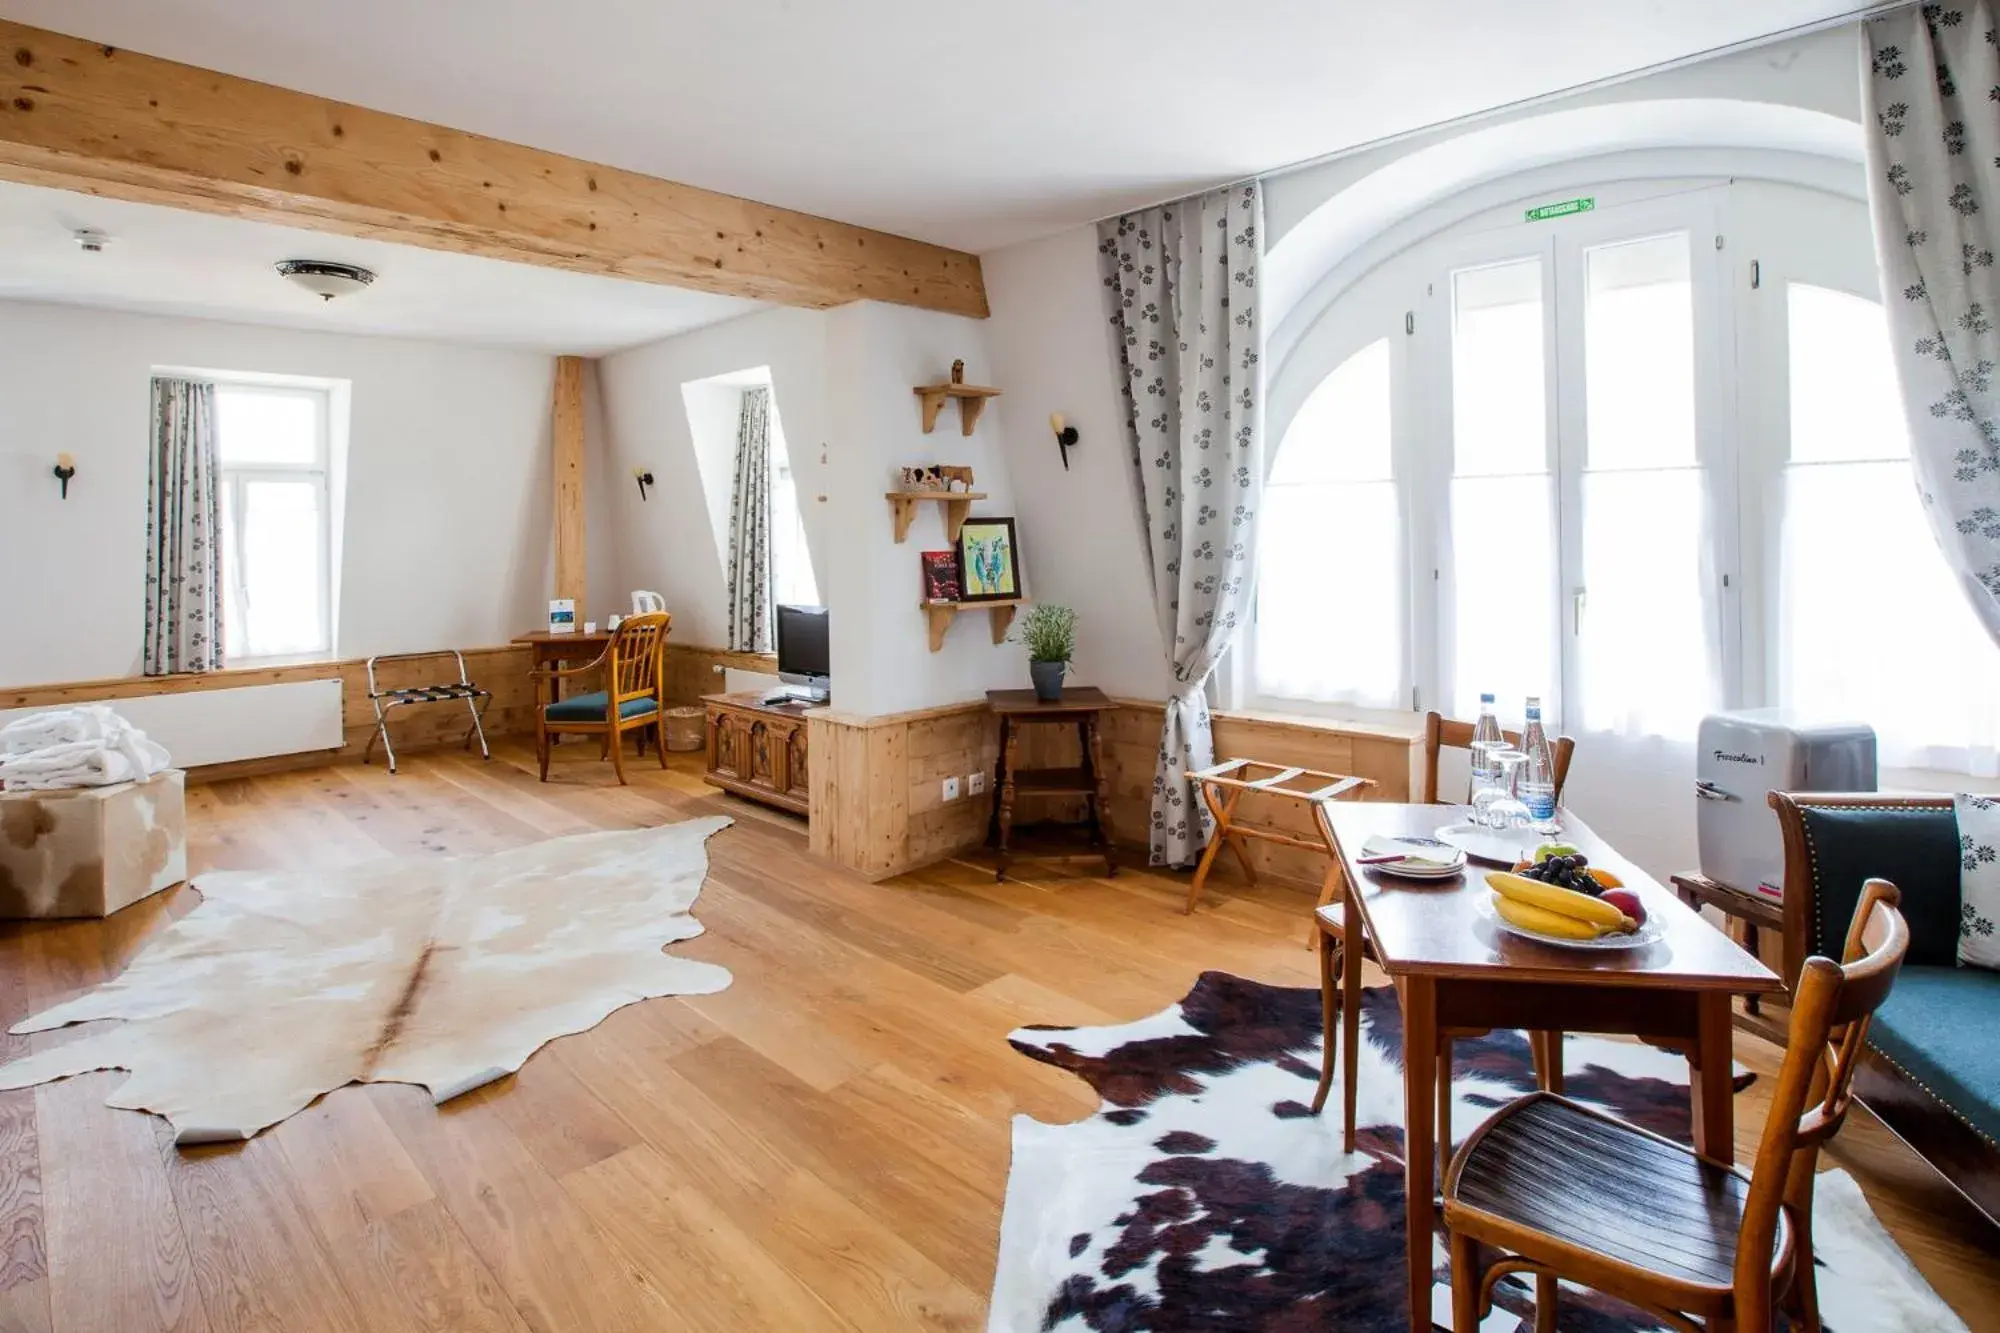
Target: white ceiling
x,y
169,262
972,123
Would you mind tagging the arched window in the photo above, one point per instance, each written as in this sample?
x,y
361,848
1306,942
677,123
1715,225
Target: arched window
x,y
1648,462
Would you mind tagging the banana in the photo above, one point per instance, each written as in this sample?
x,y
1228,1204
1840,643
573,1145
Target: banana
x,y
1553,898
1544,922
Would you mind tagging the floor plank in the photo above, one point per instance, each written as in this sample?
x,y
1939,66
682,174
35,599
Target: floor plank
x,y
823,1145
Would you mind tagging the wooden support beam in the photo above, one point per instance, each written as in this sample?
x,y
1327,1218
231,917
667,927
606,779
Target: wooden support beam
x,y
79,116
567,433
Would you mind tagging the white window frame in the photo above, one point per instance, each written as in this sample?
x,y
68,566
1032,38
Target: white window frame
x,y
1417,286
235,478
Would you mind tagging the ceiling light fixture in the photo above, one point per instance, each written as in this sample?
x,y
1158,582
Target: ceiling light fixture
x,y
324,278
90,240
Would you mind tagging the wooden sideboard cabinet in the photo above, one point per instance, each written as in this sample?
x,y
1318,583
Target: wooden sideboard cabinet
x,y
758,750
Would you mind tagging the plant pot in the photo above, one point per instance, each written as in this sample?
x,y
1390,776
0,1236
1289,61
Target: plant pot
x,y
1048,678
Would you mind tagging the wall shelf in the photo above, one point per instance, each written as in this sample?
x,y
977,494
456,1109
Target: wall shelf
x,y
971,402
957,504
943,615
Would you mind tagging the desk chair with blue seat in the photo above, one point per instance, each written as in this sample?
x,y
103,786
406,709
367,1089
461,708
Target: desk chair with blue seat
x,y
633,663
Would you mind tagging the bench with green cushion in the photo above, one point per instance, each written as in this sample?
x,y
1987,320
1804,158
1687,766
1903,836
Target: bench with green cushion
x,y
1934,1075
590,707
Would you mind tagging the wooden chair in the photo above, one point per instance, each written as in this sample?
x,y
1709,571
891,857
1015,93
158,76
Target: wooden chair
x,y
634,664
1567,1192
1440,731
1336,981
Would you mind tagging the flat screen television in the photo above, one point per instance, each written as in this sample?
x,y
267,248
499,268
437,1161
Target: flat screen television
x,y
803,660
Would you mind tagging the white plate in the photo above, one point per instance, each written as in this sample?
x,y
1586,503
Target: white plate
x,y
1501,847
1450,861
1650,930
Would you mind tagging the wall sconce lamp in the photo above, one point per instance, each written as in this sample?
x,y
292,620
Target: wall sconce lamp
x,y
65,469
644,478
1066,436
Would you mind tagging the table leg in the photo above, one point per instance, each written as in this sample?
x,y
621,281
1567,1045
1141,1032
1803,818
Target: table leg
x,y
999,777
1712,1078
1100,806
1009,755
1420,1067
1352,952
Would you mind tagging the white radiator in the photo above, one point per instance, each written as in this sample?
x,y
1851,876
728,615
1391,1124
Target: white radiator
x,y
221,726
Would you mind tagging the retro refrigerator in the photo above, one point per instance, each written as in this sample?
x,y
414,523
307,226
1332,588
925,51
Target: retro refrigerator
x,y
1741,758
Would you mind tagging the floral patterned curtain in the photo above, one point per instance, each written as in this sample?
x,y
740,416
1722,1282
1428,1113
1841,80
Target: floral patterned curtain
x,y
751,628
1934,181
1181,288
183,533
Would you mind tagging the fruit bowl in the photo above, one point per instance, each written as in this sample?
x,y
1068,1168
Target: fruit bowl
x,y
1650,931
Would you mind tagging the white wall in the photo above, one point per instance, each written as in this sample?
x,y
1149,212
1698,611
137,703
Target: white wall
x,y
670,542
841,380
1080,529
448,490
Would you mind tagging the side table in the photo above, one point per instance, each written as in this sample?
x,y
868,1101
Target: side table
x,y
1079,707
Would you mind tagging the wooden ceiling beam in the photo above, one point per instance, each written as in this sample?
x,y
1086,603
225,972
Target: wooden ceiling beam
x,y
80,116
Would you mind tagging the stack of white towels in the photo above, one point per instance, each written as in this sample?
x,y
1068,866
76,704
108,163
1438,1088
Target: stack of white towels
x,y
87,746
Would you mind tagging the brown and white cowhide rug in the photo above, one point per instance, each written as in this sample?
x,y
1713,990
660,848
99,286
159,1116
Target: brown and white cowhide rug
x,y
449,973
1204,1195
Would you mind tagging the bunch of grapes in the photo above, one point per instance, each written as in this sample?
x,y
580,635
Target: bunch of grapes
x,y
1566,872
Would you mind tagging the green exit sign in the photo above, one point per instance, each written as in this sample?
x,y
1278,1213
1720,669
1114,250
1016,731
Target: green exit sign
x,y
1567,208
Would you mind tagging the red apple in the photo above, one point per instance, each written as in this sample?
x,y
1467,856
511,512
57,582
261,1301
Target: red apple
x,y
1626,901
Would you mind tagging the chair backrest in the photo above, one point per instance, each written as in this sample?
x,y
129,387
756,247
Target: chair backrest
x,y
1440,731
1831,1007
634,662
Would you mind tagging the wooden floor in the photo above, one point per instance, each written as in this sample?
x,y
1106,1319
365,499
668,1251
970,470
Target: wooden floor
x,y
822,1146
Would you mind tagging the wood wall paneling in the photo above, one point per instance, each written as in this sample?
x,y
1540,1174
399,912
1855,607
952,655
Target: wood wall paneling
x,y
566,432
77,115
693,670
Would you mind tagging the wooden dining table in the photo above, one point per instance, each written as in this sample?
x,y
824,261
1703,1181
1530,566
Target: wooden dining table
x,y
1457,974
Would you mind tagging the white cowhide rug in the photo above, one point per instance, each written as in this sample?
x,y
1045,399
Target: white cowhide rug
x,y
449,973
1205,1195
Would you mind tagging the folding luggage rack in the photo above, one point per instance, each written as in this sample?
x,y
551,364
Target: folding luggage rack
x,y
475,698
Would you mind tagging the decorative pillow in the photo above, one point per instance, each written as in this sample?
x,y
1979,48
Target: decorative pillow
x,y
1978,880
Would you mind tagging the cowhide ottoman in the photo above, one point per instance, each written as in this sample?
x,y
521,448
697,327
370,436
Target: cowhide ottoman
x,y
88,851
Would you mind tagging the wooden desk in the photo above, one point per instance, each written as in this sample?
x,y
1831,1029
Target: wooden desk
x,y
1079,707
1457,974
552,650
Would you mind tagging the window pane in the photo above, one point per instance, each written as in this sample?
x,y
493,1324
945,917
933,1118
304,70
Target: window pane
x,y
267,427
1877,630
1639,353
280,563
1503,537
1342,430
1643,640
1844,397
792,581
1334,473
1330,610
1498,393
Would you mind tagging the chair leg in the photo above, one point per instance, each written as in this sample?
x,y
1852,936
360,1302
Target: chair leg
x,y
1329,997
614,741
1465,1311
1545,1303
542,746
1444,1106
1802,1301
660,734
